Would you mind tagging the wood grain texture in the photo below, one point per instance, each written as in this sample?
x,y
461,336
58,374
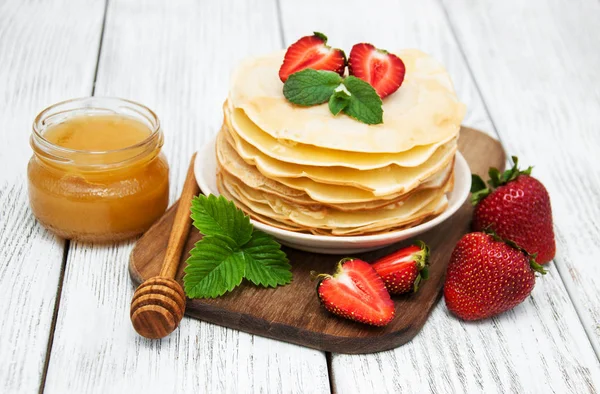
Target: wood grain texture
x,y
176,58
157,307
268,313
543,336
546,59
48,54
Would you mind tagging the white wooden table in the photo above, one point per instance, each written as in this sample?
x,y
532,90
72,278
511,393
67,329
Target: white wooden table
x,y
529,74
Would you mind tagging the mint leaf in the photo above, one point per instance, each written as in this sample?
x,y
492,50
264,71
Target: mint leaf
x,y
215,266
339,99
266,263
216,215
311,87
365,104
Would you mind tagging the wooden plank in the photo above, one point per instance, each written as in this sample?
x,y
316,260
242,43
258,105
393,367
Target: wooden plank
x,y
48,52
175,57
545,58
543,336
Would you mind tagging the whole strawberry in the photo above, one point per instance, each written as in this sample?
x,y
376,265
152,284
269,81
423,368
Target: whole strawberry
x,y
487,276
404,270
515,206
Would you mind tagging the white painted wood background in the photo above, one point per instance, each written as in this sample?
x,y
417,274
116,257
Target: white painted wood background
x,y
528,72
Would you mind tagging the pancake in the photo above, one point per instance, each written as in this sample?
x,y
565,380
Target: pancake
x,y
424,111
229,159
242,129
230,194
381,181
393,215
432,209
263,197
334,219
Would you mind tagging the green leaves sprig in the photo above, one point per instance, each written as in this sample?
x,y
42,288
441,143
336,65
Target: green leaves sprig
x,y
351,95
230,251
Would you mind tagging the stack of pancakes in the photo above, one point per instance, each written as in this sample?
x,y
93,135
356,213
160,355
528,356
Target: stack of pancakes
x,y
303,169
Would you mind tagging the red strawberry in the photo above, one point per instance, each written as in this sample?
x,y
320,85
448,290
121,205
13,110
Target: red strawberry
x,y
515,206
383,70
403,271
357,293
312,52
487,276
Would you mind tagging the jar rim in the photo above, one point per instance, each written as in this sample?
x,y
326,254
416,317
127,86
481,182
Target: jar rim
x,y
153,118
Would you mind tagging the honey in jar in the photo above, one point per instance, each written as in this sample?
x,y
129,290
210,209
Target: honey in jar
x,y
97,172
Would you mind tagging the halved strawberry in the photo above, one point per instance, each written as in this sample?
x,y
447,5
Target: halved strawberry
x,y
357,293
384,71
403,270
312,52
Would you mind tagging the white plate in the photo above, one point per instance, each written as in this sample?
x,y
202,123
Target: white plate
x,y
205,170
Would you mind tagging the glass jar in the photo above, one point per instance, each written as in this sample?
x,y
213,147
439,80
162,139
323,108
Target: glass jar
x,y
98,194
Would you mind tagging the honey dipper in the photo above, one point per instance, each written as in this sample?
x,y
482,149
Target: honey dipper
x,y
158,303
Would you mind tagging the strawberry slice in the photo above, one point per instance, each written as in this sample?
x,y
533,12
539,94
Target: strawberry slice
x,y
312,52
384,71
357,293
403,271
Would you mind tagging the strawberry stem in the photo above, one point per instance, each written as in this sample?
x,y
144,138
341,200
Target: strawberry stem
x,y
535,266
315,276
321,36
422,261
422,257
479,190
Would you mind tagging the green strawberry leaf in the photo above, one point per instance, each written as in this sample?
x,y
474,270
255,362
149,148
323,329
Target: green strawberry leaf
x,y
311,87
230,251
425,273
535,266
365,105
480,195
494,175
477,183
513,173
215,266
339,100
266,263
479,189
216,215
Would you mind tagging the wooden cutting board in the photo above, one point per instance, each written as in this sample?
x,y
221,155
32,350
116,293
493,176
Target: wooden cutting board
x,y
292,313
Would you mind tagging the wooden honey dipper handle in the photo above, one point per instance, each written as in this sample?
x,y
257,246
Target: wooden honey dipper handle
x,y
181,224
158,304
